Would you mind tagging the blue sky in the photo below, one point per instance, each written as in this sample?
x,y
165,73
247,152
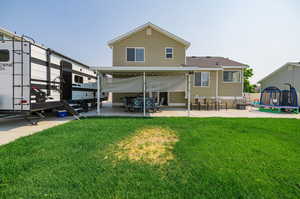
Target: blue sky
x,y
262,33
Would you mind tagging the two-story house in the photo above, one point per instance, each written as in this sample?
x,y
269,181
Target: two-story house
x,y
152,48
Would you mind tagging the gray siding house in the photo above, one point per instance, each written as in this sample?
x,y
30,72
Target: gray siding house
x,y
288,73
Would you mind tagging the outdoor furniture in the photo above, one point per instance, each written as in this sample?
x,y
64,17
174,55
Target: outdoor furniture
x,y
150,104
128,103
203,104
159,104
212,103
221,104
137,104
241,106
195,104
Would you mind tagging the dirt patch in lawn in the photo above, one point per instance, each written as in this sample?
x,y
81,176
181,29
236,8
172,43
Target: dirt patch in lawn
x,y
152,145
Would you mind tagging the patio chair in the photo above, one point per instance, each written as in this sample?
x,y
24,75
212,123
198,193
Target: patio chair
x,y
221,104
126,103
150,104
195,104
159,104
137,104
212,104
203,104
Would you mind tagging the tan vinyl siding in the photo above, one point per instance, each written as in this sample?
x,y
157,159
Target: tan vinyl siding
x,y
154,45
230,89
224,89
209,91
177,97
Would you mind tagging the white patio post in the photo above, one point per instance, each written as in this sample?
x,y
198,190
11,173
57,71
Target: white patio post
x,y
144,90
217,84
98,93
189,95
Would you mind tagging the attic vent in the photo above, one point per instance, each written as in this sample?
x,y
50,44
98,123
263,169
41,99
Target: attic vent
x,y
148,31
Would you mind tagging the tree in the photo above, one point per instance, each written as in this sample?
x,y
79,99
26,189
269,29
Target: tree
x,y
248,88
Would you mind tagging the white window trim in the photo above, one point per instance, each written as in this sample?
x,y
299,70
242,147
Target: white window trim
x,y
238,82
208,86
135,54
169,53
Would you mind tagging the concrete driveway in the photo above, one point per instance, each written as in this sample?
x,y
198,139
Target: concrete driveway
x,y
13,129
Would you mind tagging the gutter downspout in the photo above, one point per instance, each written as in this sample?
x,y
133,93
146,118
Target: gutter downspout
x,y
242,74
217,84
144,92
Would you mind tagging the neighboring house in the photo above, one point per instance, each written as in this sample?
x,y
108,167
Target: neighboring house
x,y
288,73
151,46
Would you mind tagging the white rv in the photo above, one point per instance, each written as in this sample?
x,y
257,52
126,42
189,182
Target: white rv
x,y
35,78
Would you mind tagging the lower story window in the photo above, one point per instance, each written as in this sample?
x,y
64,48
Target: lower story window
x,y
201,79
231,76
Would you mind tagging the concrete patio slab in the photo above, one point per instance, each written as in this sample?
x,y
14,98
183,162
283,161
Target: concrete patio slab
x,y
13,129
182,112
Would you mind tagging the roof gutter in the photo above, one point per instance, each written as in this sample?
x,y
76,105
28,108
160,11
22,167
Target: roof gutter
x,y
151,69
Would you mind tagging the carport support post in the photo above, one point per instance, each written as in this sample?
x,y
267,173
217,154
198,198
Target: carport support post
x,y
189,95
98,93
144,90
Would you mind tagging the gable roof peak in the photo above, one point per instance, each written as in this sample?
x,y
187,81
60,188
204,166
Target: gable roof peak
x,y
153,26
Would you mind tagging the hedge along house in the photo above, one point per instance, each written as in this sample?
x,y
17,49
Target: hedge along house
x,y
152,61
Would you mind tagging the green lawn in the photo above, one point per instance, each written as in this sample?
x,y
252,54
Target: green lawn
x,y
213,158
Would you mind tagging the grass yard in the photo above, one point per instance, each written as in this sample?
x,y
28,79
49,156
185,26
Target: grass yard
x,y
156,158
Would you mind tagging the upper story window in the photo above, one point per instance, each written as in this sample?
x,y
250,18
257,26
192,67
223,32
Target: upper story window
x,y
232,76
1,36
169,53
78,79
135,54
201,79
4,55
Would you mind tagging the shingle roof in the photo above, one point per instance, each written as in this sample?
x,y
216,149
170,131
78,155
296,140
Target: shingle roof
x,y
209,61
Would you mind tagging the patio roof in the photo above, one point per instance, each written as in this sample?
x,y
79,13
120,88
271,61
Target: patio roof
x,y
108,69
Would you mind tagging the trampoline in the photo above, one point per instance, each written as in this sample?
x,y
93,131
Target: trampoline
x,y
273,99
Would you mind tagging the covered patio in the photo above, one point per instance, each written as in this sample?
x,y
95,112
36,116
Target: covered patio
x,y
145,80
108,111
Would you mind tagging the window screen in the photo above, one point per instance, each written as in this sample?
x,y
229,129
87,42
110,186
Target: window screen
x,y
4,55
201,79
135,54
130,54
232,76
139,54
169,53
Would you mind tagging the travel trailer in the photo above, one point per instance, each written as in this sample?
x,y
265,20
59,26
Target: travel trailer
x,y
34,78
